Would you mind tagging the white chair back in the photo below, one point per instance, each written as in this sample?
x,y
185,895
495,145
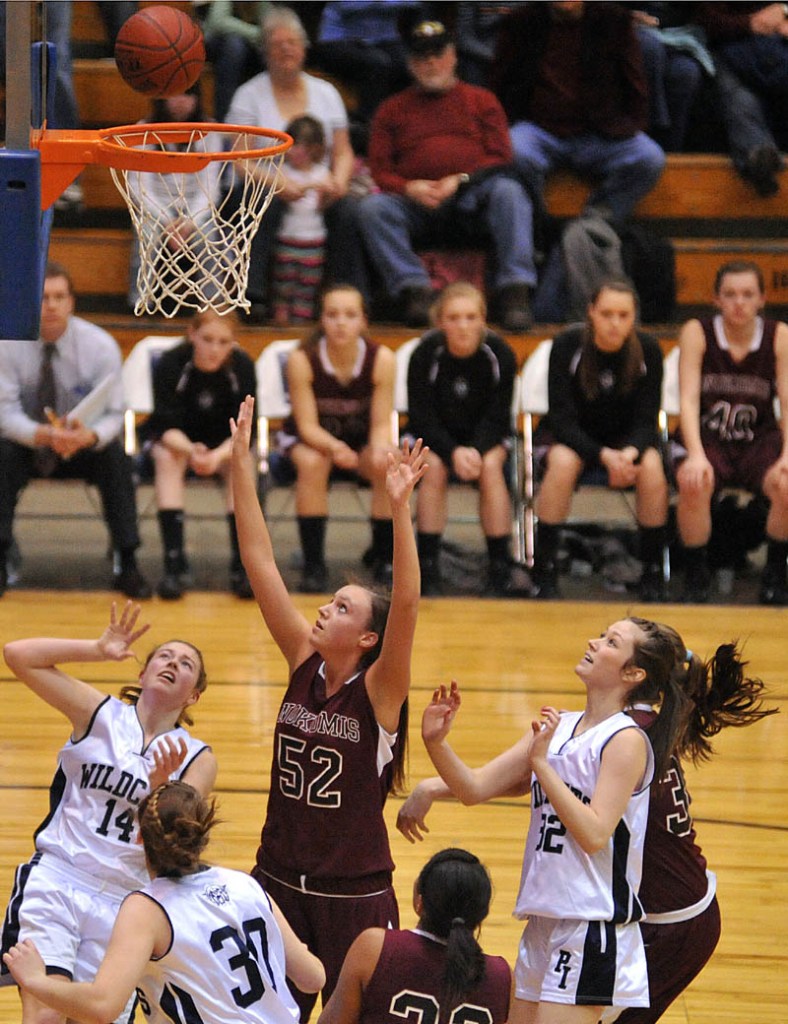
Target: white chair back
x,y
273,399
137,378
670,383
533,380
403,354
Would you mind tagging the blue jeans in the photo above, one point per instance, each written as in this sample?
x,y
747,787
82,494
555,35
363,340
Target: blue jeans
x,y
744,114
393,225
674,78
625,169
66,112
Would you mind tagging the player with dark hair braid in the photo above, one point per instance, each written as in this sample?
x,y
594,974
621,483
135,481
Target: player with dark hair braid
x,y
434,969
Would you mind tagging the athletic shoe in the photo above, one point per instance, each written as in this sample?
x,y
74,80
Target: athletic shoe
x,y
133,584
170,587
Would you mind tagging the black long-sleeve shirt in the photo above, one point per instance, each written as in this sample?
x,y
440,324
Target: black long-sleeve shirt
x,y
200,404
460,402
611,420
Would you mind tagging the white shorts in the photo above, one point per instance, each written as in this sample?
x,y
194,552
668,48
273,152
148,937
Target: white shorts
x,y
582,963
68,919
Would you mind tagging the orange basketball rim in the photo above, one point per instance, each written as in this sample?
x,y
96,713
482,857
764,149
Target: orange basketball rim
x,y
140,147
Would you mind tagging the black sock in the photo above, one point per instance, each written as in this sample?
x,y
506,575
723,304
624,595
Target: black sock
x,y
696,559
776,555
312,531
548,536
171,530
429,546
128,560
498,548
382,540
651,544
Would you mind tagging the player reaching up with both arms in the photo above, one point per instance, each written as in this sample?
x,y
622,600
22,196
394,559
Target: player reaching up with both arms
x,y
588,773
341,730
681,926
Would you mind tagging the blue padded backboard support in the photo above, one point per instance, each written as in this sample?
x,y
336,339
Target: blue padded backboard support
x,y
24,228
21,280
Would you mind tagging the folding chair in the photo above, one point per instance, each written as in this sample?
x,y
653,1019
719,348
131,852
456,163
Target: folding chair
x,y
533,404
273,402
670,390
137,374
273,405
403,354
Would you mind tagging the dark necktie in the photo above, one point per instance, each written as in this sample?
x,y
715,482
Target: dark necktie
x,y
45,459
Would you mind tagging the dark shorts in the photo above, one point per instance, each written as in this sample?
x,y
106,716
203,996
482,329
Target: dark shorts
x,y
742,466
329,925
675,954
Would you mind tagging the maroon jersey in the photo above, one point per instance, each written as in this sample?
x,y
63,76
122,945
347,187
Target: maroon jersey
x,y
342,409
406,984
737,398
674,869
325,808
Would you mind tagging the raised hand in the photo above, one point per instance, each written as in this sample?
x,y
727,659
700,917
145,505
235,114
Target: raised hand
x,y
440,712
543,731
241,429
115,642
405,471
168,756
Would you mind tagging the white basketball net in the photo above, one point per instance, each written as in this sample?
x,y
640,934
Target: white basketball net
x,y
195,229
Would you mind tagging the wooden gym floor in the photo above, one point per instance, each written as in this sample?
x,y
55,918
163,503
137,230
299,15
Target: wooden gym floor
x,y
509,657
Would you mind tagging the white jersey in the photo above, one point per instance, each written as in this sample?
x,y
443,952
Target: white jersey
x,y
100,781
226,962
254,103
302,219
559,879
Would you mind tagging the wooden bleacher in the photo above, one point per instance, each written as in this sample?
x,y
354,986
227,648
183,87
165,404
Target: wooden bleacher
x,y
700,203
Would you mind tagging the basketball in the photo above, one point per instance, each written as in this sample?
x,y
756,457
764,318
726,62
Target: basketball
x,y
160,51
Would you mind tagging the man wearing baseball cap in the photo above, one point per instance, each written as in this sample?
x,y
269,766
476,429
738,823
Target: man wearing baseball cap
x,y
441,155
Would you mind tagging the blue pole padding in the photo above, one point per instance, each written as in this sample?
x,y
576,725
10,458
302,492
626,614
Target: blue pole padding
x,y
21,282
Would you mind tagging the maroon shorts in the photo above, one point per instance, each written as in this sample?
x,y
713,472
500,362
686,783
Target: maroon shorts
x,y
743,465
675,954
328,925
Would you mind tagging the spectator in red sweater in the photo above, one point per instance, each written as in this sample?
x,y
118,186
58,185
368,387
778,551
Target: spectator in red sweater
x,y
441,154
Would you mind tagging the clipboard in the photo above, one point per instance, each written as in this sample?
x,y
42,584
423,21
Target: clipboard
x,y
95,402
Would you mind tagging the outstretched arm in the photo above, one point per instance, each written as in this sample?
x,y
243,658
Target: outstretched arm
x,y
34,662
508,774
388,679
412,816
288,627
